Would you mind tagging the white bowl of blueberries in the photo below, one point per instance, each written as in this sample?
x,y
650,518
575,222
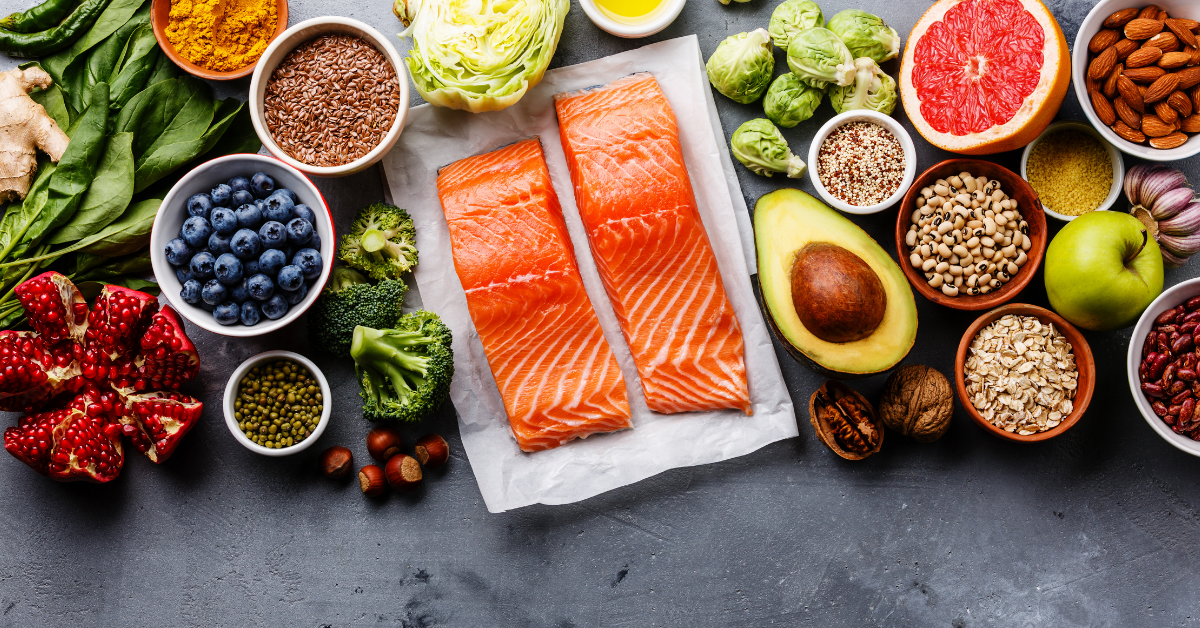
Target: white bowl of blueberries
x,y
242,245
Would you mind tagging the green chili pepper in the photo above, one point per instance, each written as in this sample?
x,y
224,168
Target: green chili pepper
x,y
45,42
39,18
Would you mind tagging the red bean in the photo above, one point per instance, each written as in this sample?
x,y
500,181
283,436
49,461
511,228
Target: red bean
x,y
1168,377
1153,390
1173,411
1181,395
1187,409
1159,408
1162,344
1168,419
1188,328
1181,344
1167,317
1193,317
1160,363
1177,387
1192,304
1187,375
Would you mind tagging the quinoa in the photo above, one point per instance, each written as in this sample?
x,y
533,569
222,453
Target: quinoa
x,y
1070,171
861,163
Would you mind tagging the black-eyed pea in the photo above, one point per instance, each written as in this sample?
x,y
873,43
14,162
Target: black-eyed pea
x,y
1017,238
944,226
958,237
1012,268
1009,251
941,189
955,181
949,290
916,217
1003,276
1006,241
1026,243
947,278
973,242
961,251
1001,221
958,282
1021,259
996,284
989,226
984,279
969,184
910,238
928,263
997,196
936,281
971,280
944,250
941,267
921,201
984,289
956,270
927,193
963,199
916,260
959,222
981,268
936,202
1012,204
972,291
988,252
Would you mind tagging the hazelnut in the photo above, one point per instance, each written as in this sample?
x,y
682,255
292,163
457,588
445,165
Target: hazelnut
x,y
383,443
432,451
370,478
403,472
336,462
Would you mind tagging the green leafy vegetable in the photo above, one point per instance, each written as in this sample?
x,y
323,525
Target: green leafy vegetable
x,y
403,373
760,146
350,300
790,101
115,15
107,196
133,70
381,242
169,121
741,66
819,57
866,35
791,18
872,89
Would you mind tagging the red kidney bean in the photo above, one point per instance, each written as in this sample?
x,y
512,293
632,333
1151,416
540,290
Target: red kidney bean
x,y
1196,388
1188,328
1173,411
1166,317
1153,390
1160,363
1169,420
1168,377
1193,304
1169,329
1162,345
1180,396
1159,408
1181,344
1189,361
1187,409
1193,317
1187,375
1177,387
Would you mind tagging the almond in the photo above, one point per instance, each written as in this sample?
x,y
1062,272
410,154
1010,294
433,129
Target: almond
x,y
1121,18
1128,134
1150,12
1143,57
1173,60
1190,124
1188,77
1130,93
1102,40
1143,28
1125,47
1166,113
1161,88
1163,16
1166,42
1181,103
1103,64
1144,75
1195,56
1104,109
1190,25
1110,84
1184,34
1127,114
1154,126
1174,140
1196,98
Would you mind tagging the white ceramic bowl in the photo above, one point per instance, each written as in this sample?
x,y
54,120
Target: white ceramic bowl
x,y
285,44
1114,156
203,178
1167,300
1079,62
660,18
231,393
887,122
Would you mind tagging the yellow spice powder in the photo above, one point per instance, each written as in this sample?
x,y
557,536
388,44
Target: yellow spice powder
x,y
1070,171
222,35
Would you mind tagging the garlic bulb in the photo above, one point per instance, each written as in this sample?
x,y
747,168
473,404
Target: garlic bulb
x,y
1169,209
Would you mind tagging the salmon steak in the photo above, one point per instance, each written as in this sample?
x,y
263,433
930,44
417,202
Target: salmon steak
x,y
556,372
653,254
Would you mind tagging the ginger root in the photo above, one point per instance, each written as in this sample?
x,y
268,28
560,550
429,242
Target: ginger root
x,y
24,127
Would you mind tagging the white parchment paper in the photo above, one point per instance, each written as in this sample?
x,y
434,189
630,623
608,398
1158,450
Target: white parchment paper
x,y
509,478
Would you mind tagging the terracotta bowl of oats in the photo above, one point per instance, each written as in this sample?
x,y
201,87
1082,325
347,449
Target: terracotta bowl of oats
x,y
1023,373
329,96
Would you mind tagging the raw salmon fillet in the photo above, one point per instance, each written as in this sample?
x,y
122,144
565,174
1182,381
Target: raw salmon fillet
x,y
644,229
556,373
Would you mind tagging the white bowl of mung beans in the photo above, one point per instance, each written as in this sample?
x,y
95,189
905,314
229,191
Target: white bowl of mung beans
x,y
267,390
1074,170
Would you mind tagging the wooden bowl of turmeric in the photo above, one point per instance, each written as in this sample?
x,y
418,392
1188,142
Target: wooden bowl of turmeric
x,y
217,40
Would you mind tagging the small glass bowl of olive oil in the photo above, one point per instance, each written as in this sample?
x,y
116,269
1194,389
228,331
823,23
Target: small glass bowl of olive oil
x,y
632,18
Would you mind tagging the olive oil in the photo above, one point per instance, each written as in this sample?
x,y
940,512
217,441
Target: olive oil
x,y
629,11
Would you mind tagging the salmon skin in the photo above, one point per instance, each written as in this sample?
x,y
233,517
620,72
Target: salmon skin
x,y
557,374
635,198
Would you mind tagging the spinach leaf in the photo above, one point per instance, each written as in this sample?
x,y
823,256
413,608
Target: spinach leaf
x,y
13,224
125,236
84,266
137,61
116,15
53,101
100,64
164,70
169,122
239,137
108,195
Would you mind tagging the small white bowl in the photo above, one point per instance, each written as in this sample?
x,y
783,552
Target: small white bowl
x,y
231,394
1079,63
887,122
1114,155
1167,300
283,45
660,18
203,178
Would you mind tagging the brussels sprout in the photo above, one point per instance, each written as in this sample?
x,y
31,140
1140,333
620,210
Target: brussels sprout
x,y
872,89
742,65
792,17
760,146
819,57
791,101
865,35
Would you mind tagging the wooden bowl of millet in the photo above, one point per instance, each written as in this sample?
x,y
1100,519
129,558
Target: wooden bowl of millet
x,y
1028,205
160,15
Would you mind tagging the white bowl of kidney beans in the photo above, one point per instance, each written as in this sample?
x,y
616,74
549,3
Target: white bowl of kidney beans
x,y
1164,363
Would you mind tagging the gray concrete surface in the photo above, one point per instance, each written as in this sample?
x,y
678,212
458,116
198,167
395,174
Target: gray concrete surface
x,y
1097,528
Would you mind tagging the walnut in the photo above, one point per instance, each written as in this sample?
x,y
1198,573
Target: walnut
x,y
918,402
845,421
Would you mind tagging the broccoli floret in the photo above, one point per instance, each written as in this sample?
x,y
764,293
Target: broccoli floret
x,y
382,242
347,301
403,373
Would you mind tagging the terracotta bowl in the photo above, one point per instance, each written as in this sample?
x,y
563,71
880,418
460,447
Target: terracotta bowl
x,y
1027,203
160,11
1083,361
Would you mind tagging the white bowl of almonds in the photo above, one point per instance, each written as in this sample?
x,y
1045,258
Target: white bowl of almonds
x,y
1166,127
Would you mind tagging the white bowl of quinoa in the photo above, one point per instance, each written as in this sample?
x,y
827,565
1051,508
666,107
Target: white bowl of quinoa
x,y
329,96
862,162
1068,173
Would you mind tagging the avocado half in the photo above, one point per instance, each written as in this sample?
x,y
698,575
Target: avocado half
x,y
785,222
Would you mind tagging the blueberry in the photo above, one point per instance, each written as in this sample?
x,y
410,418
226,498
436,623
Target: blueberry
x,y
290,278
245,244
195,232
239,184
271,261
213,292
278,207
315,242
202,265
305,212
227,313
238,293
218,244
190,292
250,268
224,221
249,216
290,194
299,231
250,313
178,252
275,308
260,287
295,296
262,185
183,273
309,261
260,203
273,234
241,197
220,195
228,269
199,205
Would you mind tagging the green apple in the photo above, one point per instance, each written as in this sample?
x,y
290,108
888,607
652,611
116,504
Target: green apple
x,y
1102,270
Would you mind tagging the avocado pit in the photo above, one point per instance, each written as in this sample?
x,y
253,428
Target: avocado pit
x,y
837,295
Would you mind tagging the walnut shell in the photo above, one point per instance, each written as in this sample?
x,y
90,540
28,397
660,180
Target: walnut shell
x,y
849,437
918,402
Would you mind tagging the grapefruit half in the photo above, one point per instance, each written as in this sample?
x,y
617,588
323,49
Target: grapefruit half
x,y
984,76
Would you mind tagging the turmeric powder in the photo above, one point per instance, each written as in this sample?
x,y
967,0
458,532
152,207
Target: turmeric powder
x,y
221,35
